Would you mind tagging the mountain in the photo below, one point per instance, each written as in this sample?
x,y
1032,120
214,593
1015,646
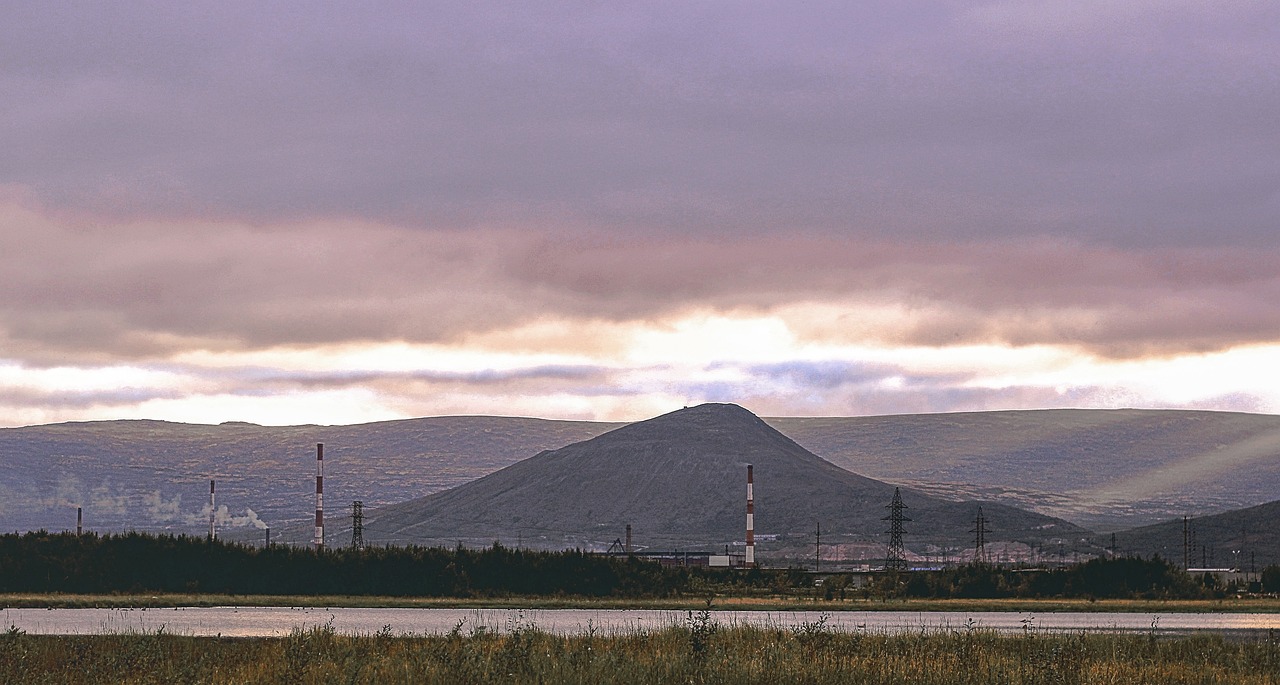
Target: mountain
x,y
154,475
1105,469
679,480
1242,538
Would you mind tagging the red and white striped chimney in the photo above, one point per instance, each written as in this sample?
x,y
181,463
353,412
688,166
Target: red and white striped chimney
x,y
751,521
319,539
213,532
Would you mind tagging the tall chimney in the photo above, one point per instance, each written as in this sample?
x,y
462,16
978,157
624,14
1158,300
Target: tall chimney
x,y
319,539
213,532
79,520
627,549
751,522
267,542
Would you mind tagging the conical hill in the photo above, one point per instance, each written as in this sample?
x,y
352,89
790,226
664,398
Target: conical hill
x,y
680,480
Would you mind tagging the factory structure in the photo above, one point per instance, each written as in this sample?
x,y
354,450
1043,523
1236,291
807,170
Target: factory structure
x,y
730,558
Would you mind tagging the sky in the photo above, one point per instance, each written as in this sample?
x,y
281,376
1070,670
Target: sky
x,y
339,213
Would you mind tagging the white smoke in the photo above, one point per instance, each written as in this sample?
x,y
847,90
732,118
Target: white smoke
x,y
161,510
108,499
199,517
223,518
250,518
103,501
68,492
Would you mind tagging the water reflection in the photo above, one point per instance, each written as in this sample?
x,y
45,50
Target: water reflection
x,y
278,621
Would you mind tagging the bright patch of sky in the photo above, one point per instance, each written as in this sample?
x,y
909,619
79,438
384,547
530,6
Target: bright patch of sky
x,y
652,369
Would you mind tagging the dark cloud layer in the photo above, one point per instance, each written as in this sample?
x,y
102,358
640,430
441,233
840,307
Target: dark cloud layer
x,y
147,290
238,176
1131,124
82,399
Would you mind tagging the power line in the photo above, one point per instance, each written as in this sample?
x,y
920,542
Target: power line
x,y
357,525
896,558
980,531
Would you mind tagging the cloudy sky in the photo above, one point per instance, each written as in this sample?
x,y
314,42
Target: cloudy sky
x,y
251,211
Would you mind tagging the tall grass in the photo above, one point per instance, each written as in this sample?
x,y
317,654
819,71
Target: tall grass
x,y
699,651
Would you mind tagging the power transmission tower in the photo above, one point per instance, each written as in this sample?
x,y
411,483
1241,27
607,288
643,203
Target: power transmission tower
x,y
357,525
896,559
1186,543
817,550
1195,545
980,538
1244,544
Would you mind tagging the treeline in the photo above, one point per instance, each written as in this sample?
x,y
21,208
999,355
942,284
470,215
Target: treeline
x,y
136,562
42,562
1119,578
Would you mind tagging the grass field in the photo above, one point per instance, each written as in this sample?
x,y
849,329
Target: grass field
x,y
788,603
698,652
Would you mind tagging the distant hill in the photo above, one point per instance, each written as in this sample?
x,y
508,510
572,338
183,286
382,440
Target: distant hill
x,y
1103,469
679,480
1242,538
154,475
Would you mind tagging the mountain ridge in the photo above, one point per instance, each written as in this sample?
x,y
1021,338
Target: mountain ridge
x,y
679,480
147,474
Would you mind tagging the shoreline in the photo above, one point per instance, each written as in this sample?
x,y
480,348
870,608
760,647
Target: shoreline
x,y
719,603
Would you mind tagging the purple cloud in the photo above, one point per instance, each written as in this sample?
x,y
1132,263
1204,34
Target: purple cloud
x,y
937,121
238,176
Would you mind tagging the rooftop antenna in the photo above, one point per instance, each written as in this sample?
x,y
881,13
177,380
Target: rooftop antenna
x,y
896,559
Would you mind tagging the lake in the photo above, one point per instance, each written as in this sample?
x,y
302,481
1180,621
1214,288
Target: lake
x,y
279,621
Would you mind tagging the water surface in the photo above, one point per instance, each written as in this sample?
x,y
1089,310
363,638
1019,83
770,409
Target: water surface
x,y
278,621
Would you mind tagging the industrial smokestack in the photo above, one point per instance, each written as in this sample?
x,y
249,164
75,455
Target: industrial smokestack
x,y
213,532
267,542
627,549
319,539
751,521
79,521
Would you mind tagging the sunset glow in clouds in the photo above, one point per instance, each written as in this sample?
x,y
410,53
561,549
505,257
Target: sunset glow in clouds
x,y
222,211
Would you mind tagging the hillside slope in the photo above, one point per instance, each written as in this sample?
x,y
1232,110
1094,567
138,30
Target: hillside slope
x,y
1246,538
679,479
1104,469
154,475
